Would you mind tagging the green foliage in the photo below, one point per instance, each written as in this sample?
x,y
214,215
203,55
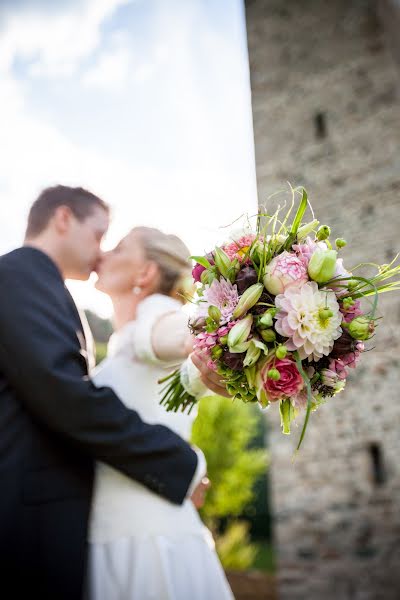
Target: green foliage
x,y
234,548
224,430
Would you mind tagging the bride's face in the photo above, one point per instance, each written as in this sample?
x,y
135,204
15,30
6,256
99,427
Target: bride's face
x,y
121,269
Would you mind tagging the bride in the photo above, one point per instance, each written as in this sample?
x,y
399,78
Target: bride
x,y
143,547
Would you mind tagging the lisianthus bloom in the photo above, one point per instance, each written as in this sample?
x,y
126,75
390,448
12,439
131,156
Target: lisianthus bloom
x,y
340,287
240,247
284,271
288,385
310,318
306,249
222,294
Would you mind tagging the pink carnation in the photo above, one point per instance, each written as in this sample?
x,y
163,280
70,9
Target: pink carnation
x,y
289,384
238,248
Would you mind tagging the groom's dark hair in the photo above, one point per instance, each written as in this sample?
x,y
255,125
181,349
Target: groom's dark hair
x,y
80,201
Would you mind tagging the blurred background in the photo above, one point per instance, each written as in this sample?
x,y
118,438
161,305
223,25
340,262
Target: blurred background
x,y
184,114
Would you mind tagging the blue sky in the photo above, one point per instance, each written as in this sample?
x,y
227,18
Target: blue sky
x,y
145,102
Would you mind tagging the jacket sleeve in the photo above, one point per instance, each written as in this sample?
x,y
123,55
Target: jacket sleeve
x,y
41,357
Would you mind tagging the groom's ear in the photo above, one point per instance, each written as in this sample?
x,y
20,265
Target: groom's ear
x,y
61,219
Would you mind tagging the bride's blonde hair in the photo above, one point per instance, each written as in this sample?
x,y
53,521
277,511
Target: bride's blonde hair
x,y
172,258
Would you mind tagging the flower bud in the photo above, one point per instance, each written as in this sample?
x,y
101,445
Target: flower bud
x,y
216,352
223,340
304,230
281,351
240,332
252,355
222,262
325,313
340,243
265,320
248,299
207,277
361,328
352,284
323,233
274,374
348,303
211,325
214,313
250,373
268,335
322,265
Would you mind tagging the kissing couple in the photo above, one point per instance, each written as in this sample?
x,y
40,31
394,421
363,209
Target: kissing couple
x,y
99,485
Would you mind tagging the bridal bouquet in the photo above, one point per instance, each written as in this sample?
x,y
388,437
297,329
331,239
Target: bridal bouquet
x,y
279,316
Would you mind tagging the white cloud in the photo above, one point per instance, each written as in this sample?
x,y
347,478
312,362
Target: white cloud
x,y
57,40
112,69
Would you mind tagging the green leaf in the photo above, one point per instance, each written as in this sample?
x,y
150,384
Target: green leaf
x,y
287,415
300,213
202,261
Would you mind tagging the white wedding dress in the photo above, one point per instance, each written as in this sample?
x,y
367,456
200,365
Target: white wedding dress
x,y
141,546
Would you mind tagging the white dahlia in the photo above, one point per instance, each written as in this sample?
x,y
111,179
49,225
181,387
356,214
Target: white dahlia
x,y
310,318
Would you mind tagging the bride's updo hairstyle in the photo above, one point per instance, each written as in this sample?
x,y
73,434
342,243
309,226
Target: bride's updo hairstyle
x,y
172,258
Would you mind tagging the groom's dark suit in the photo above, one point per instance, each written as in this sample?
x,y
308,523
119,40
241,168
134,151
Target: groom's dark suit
x,y
54,423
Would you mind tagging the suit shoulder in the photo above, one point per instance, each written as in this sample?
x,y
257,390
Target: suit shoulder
x,y
30,262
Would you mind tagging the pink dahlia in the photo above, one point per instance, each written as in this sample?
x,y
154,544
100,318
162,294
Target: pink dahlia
x,y
310,318
284,271
288,385
222,294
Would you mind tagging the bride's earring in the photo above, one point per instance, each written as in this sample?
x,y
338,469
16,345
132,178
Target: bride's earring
x,y
136,290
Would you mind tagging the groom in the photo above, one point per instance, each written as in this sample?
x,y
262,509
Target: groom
x,y
54,423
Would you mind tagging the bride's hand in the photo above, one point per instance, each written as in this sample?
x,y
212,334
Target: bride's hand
x,y
210,378
199,495
188,344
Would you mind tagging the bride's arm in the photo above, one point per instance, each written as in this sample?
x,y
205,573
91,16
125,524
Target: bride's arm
x,y
171,339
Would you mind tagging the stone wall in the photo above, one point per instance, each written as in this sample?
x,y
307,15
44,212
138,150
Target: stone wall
x,y
326,110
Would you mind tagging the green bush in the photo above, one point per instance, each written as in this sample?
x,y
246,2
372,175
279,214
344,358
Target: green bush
x,y
224,430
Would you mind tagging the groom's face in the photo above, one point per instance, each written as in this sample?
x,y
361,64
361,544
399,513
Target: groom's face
x,y
82,244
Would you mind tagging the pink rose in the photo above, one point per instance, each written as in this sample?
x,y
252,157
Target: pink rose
x,y
289,384
197,271
284,271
